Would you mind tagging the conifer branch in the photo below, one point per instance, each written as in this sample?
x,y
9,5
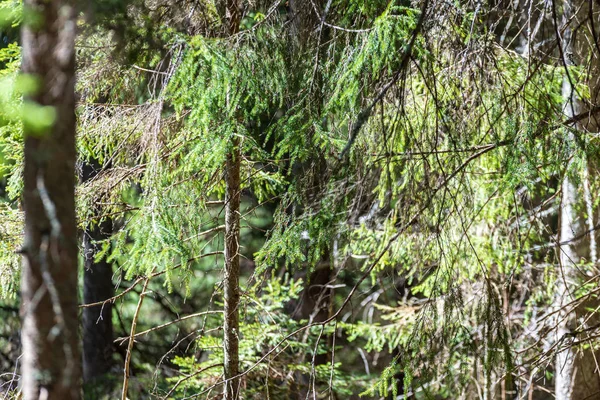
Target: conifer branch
x,y
365,114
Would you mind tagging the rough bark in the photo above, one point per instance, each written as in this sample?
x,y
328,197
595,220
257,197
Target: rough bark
x,y
234,16
303,19
51,367
231,280
97,286
232,273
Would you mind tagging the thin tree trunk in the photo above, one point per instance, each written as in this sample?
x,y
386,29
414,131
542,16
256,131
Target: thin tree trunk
x,y
589,208
565,359
231,295
568,257
232,273
51,366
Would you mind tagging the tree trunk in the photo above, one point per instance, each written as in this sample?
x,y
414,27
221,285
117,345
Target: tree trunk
x,y
97,321
51,367
570,228
231,295
568,259
232,273
564,366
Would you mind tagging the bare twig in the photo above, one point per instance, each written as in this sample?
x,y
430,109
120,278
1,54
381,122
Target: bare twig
x,y
153,275
126,369
147,331
180,381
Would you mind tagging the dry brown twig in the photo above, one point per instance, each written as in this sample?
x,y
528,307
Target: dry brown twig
x,y
126,368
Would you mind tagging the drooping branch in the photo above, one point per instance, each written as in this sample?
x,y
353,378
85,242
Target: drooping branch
x,y
365,114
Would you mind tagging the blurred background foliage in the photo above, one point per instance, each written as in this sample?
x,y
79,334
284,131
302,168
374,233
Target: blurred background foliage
x,y
428,245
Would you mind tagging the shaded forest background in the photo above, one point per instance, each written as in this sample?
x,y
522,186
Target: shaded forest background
x,y
298,199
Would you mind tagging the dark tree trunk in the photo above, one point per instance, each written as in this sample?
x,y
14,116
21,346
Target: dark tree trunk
x,y
232,273
97,286
51,367
303,19
231,295
97,321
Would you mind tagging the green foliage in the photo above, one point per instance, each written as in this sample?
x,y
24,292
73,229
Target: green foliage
x,y
442,218
376,54
11,14
12,86
10,240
